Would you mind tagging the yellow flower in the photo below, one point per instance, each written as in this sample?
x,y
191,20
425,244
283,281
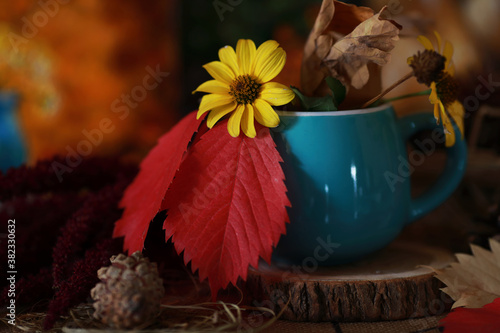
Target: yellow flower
x,y
444,91
242,86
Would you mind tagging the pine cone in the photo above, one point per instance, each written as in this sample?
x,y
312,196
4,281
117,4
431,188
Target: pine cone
x,y
130,292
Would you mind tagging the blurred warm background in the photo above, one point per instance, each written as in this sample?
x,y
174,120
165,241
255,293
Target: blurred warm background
x,y
69,61
67,65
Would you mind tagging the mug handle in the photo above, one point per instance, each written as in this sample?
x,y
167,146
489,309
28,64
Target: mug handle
x,y
456,161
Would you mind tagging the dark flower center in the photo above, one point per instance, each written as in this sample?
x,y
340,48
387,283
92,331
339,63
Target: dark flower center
x,y
427,66
447,89
244,89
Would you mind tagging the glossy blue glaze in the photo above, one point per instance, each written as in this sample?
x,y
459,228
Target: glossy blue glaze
x,y
12,147
348,179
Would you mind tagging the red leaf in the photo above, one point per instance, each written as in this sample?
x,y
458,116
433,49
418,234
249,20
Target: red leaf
x,y
464,320
226,206
142,199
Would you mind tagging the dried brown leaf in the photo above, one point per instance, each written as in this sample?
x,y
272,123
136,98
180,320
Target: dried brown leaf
x,y
474,280
325,32
370,42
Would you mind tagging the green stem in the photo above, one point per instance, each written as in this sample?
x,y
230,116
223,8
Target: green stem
x,y
420,93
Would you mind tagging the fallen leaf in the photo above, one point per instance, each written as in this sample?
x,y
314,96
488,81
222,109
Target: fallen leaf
x,y
462,320
142,199
475,279
370,42
227,205
347,17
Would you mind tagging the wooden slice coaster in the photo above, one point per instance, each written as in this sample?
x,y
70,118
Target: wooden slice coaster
x,y
389,285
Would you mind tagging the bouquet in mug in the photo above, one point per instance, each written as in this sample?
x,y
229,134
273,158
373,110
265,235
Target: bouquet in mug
x,y
217,173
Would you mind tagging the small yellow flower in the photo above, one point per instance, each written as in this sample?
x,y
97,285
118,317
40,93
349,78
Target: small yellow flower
x,y
444,91
241,86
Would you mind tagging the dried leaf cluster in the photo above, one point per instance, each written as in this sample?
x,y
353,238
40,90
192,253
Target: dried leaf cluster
x,y
474,280
345,39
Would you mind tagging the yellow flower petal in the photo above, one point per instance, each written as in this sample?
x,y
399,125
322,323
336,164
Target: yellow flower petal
x,y
439,40
448,54
217,113
245,52
276,93
425,42
213,87
409,61
265,114
433,97
268,65
247,122
451,69
233,125
266,48
220,72
436,113
457,111
211,101
228,57
448,127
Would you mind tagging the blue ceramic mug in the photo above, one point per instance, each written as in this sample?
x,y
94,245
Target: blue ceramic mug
x,y
348,180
